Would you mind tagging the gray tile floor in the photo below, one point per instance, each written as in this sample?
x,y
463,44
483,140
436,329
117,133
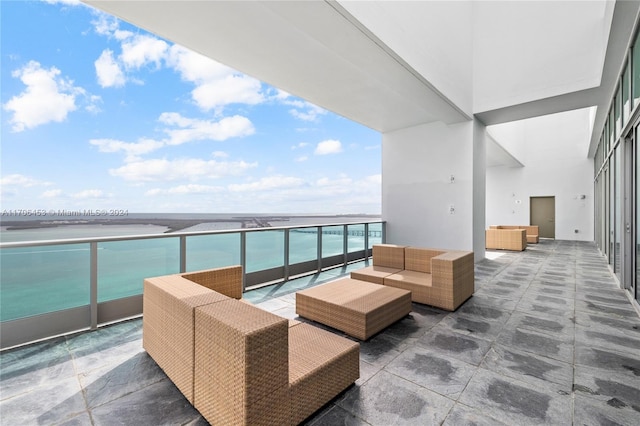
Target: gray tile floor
x,y
548,338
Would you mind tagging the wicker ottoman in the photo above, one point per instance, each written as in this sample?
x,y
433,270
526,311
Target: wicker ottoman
x,y
359,308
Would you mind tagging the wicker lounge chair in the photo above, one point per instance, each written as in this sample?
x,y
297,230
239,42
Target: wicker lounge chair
x,y
387,259
440,278
236,363
506,239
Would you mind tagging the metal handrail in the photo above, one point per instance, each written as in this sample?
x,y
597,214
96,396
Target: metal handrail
x,y
20,244
41,326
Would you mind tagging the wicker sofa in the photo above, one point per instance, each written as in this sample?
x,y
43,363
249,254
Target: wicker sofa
x,y
236,363
441,278
532,231
506,239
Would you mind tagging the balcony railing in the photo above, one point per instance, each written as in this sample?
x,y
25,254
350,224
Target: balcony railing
x,y
55,287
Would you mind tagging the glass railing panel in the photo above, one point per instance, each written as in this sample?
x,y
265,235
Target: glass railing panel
x,y
123,265
212,251
303,245
332,240
39,280
375,234
355,241
265,250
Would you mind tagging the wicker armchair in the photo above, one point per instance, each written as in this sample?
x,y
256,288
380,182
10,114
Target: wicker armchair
x,y
387,259
440,278
238,364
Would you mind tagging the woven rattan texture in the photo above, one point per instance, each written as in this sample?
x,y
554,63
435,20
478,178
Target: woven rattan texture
x,y
533,231
321,365
167,325
388,255
241,364
360,309
227,280
506,239
449,284
373,274
419,259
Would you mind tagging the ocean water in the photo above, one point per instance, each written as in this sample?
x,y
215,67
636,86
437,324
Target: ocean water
x,y
36,280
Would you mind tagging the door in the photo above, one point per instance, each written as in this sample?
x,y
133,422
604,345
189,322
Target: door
x,y
543,214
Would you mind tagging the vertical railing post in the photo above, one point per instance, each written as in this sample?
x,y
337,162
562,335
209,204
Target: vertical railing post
x,y
345,243
243,258
384,233
93,285
366,241
183,254
286,254
319,248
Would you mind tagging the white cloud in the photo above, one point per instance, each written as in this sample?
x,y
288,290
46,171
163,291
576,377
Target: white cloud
x,y
330,146
89,193
54,193
108,71
219,154
47,97
229,90
22,181
186,189
142,50
194,67
302,110
186,168
301,159
190,129
65,2
300,145
268,183
132,150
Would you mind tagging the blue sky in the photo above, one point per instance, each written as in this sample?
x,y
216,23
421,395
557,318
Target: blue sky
x,y
99,114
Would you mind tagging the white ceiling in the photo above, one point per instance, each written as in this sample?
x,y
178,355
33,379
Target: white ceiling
x,y
394,64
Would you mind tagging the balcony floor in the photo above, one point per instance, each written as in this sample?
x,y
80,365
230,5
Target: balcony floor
x,y
548,338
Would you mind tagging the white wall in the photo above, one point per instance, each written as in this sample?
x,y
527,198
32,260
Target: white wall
x,y
417,164
554,165
480,140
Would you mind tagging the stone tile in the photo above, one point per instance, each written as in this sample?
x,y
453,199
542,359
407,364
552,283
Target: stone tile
x,y
564,303
473,325
367,371
489,290
387,399
590,412
159,403
559,347
607,359
335,415
543,309
604,297
106,345
34,365
615,389
499,303
429,369
483,307
52,403
548,325
116,380
607,340
516,402
625,326
528,367
450,344
419,321
461,415
380,349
